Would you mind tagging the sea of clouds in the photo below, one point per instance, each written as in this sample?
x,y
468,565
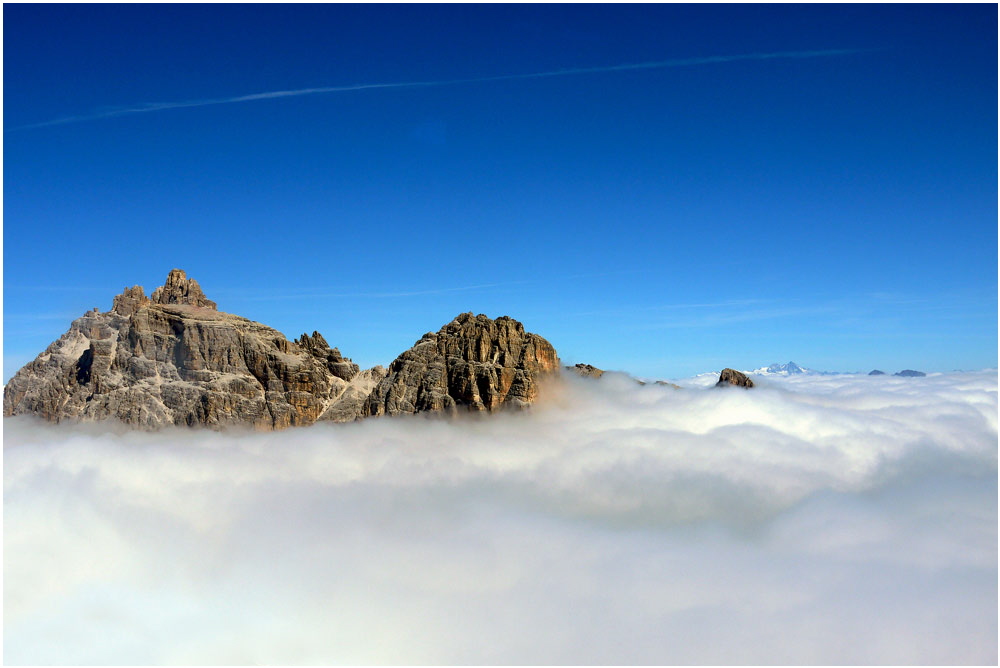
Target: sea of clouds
x,y
814,519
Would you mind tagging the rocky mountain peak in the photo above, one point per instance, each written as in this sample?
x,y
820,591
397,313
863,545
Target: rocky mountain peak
x,y
776,369
467,322
474,363
734,377
179,289
174,359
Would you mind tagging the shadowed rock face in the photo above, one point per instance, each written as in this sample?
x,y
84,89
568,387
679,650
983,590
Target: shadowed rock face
x,y
174,359
734,377
337,364
472,363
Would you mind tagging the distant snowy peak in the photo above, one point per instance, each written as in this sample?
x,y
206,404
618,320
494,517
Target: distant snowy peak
x,y
788,369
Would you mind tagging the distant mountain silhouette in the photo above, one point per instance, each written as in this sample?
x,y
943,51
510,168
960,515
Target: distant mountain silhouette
x,y
787,369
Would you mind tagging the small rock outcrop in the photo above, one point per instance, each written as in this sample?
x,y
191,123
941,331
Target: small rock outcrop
x,y
661,383
179,289
734,377
876,372
586,370
473,363
590,371
910,373
174,359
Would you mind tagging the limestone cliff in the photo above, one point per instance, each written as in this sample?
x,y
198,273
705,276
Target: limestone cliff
x,y
174,359
473,363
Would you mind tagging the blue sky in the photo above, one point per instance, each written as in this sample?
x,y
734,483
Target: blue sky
x,y
836,209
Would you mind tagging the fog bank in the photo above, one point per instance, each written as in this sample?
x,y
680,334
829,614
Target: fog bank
x,y
836,519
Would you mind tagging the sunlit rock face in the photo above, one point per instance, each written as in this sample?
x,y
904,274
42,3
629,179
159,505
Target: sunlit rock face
x,y
174,359
473,363
586,370
179,289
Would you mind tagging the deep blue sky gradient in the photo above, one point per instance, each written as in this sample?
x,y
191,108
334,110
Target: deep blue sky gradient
x,y
840,211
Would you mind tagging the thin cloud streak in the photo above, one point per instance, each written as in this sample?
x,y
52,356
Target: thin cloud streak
x,y
381,295
413,293
270,95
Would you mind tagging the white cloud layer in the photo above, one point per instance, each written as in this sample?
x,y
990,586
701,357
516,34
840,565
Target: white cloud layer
x,y
841,519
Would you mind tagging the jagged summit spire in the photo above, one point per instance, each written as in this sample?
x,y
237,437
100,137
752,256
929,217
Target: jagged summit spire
x,y
129,301
179,289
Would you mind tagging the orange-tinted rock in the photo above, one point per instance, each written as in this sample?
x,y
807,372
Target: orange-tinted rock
x,y
473,363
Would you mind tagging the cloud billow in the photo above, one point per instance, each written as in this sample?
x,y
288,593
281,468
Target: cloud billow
x,y
840,519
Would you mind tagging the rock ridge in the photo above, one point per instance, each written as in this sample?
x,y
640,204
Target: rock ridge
x,y
174,359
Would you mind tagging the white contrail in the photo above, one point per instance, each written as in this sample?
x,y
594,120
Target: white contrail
x,y
661,64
